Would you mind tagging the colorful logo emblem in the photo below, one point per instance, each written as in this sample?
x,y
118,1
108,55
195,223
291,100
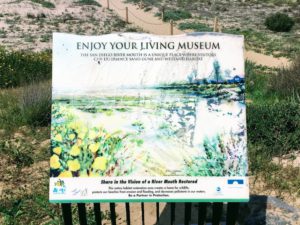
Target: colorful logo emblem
x,y
59,187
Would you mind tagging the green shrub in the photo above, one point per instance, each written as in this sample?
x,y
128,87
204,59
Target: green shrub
x,y
35,104
194,26
276,126
175,15
146,3
19,152
44,3
279,22
29,105
258,83
286,82
279,179
88,2
19,67
10,110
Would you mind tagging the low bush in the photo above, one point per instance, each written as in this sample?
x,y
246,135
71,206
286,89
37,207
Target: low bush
x,y
44,3
195,26
18,150
146,3
9,110
286,82
29,105
279,22
256,81
19,67
274,125
88,2
175,15
274,177
35,104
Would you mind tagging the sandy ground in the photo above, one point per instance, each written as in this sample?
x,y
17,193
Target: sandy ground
x,y
148,22
291,159
29,26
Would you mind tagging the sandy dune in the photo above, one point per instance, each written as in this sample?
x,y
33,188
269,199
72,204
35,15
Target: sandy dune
x,y
148,22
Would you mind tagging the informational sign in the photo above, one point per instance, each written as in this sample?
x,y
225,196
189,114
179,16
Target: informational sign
x,y
140,117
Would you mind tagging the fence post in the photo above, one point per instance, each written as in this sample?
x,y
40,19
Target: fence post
x,y
163,13
126,9
107,4
216,24
171,27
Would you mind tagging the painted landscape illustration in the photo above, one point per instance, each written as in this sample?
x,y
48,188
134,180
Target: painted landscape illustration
x,y
190,127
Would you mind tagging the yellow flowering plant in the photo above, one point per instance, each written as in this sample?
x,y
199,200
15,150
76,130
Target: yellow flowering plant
x,y
82,151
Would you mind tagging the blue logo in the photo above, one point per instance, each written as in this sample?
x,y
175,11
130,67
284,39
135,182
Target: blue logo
x,y
218,189
235,181
59,187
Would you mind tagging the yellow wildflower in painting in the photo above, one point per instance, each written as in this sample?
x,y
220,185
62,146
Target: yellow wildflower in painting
x,y
65,174
92,135
100,163
58,138
54,162
71,137
79,142
94,147
57,150
75,150
84,129
75,125
73,165
81,135
92,174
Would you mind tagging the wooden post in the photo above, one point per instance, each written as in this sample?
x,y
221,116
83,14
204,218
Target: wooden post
x,y
163,13
108,4
171,27
216,24
126,9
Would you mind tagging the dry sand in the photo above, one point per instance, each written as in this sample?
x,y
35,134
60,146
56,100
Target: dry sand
x,y
148,22
29,26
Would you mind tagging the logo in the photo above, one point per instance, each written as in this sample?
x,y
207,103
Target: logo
x,y
235,181
218,191
59,187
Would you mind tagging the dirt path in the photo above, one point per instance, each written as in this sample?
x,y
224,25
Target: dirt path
x,y
148,22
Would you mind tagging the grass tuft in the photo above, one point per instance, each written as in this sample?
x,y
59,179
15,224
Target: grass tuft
x,y
287,81
196,26
45,3
88,2
175,14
